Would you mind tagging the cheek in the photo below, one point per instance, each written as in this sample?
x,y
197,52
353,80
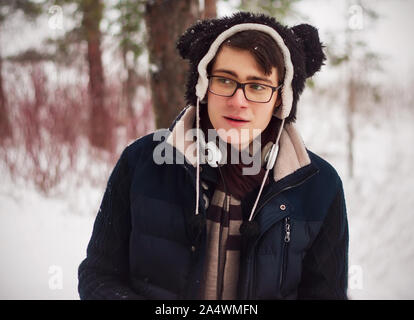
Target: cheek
x,y
212,108
210,103
213,101
214,105
263,116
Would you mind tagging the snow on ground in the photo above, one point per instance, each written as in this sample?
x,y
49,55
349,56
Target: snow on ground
x,y
43,240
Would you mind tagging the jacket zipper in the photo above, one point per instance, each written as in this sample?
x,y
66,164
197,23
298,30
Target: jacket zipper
x,y
285,241
286,227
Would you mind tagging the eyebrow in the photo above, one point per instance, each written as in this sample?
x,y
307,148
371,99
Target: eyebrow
x,y
234,74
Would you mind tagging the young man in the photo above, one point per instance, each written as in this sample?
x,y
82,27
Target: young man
x,y
199,211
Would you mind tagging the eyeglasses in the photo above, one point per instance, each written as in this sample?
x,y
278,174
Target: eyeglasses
x,y
254,92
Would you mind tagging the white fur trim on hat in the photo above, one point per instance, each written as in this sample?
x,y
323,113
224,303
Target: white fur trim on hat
x,y
287,92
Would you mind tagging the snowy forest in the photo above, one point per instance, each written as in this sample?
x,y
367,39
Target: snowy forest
x,y
82,79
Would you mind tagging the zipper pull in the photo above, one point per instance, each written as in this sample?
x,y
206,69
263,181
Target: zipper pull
x,y
287,229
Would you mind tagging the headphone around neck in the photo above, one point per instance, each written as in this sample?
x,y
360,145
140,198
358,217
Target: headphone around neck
x,y
214,154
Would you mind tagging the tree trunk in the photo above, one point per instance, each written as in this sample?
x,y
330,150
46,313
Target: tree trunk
x,y
128,90
350,110
129,86
210,10
100,133
165,22
5,128
351,103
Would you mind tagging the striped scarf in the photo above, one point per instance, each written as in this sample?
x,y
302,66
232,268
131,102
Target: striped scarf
x,y
224,217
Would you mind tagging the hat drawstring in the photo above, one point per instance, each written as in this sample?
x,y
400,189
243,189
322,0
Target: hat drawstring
x,y
250,228
197,221
269,165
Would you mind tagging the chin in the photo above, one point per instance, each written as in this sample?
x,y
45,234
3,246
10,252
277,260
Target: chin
x,y
235,136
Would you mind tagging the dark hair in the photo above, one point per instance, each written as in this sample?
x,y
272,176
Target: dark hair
x,y
263,48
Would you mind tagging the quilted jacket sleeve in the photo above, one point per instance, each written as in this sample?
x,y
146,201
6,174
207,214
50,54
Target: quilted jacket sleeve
x,y
325,266
105,271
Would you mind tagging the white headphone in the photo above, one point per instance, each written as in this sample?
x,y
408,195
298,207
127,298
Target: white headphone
x,y
214,154
271,155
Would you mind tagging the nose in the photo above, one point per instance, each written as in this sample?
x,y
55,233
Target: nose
x,y
238,99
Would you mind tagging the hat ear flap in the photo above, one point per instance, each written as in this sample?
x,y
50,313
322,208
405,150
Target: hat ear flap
x,y
312,47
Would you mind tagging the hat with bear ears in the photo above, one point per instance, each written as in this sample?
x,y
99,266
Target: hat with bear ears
x,y
302,54
300,47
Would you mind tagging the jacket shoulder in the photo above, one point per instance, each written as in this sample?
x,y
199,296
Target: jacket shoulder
x,y
144,146
327,172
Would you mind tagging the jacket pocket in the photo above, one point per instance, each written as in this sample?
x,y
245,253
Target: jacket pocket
x,y
284,253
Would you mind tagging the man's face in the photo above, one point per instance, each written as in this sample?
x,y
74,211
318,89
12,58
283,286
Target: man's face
x,y
241,66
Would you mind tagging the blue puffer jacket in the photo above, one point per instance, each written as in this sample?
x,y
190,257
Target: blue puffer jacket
x,y
142,246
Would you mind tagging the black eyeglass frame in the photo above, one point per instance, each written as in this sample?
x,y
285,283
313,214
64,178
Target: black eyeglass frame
x,y
242,85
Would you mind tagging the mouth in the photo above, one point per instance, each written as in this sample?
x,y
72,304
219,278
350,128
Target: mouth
x,y
236,119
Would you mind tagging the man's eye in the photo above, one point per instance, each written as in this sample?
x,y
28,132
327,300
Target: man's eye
x,y
257,87
224,80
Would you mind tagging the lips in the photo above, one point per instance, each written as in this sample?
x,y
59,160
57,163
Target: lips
x,y
236,118
235,121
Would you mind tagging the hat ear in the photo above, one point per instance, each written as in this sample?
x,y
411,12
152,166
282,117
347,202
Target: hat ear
x,y
186,42
312,47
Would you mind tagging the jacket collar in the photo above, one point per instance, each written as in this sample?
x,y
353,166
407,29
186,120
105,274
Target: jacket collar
x,y
291,157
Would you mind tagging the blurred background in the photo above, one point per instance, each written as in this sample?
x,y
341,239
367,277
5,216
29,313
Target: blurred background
x,y
82,79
